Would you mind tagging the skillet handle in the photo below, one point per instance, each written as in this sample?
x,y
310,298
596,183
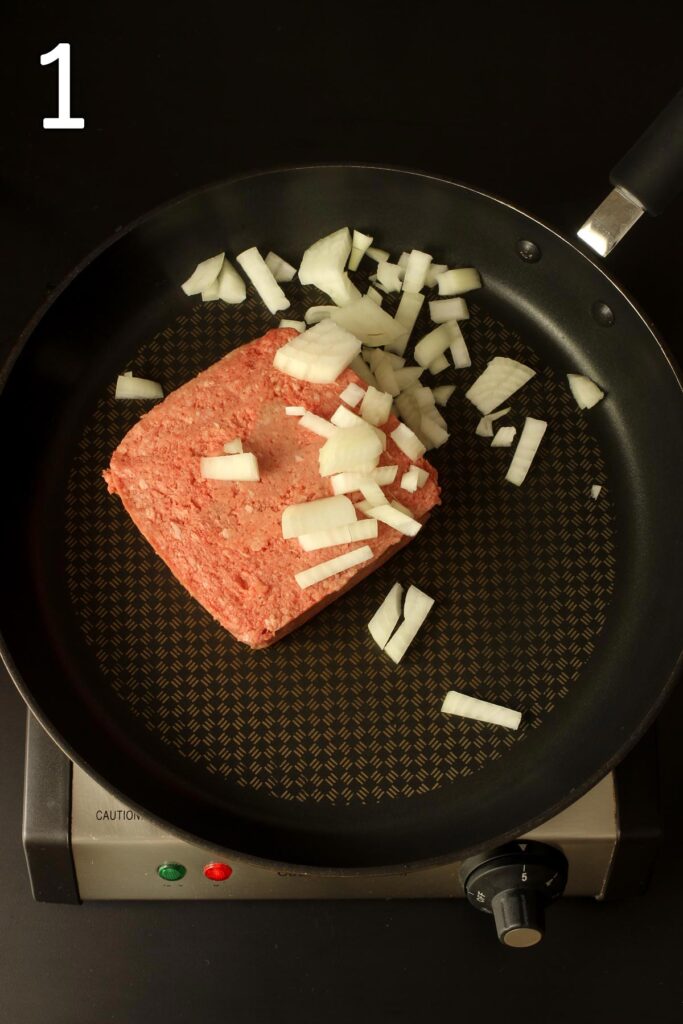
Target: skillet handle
x,y
647,178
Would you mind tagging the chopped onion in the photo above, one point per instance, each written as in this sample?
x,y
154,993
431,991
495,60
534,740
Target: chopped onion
x,y
402,508
406,376
410,480
434,270
376,406
459,354
295,410
254,266
457,282
314,314
438,365
433,345
203,275
212,292
423,396
443,310
501,378
384,373
128,386
360,244
373,294
320,572
396,362
231,287
362,529
349,449
443,393
527,446
352,394
360,367
417,266
297,325
383,622
433,432
585,391
346,483
233,447
363,506
408,442
389,276
321,514
319,354
378,255
407,313
403,260
343,417
393,517
416,609
422,476
484,427
242,467
480,710
373,493
368,322
318,425
432,413
504,437
281,270
595,491
323,265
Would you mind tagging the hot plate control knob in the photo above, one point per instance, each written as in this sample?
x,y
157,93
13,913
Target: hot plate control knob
x,y
515,883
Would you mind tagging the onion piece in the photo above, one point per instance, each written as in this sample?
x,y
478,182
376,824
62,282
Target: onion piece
x,y
360,367
408,442
433,432
396,362
350,448
242,467
346,483
406,376
433,345
394,517
415,610
231,287
295,410
203,275
504,437
585,391
281,270
314,314
368,322
373,294
317,573
480,710
459,354
422,395
360,243
233,447
362,529
297,325
438,365
383,622
254,266
432,413
595,491
407,313
128,386
378,255
320,514
352,394
457,282
373,493
402,508
443,393
484,427
319,354
422,476
389,276
343,418
443,310
211,293
323,265
501,378
434,270
376,406
384,373
417,266
403,260
526,449
317,425
410,480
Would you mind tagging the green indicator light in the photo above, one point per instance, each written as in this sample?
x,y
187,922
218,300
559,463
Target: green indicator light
x,y
171,872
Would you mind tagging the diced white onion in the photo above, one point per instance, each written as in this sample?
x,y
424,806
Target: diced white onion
x,y
422,476
416,609
373,294
406,376
390,276
393,517
423,396
383,622
433,345
323,265
211,293
480,710
254,266
504,437
368,322
360,367
320,572
501,378
595,490
128,386
352,394
360,244
350,449
408,442
417,266
384,374
433,432
281,270
459,354
585,391
396,362
457,282
527,446
434,270
373,493
407,313
378,255
346,483
231,287
443,310
410,480
319,354
317,425
242,467
438,365
432,413
362,529
443,393
313,516
484,427
233,447
314,314
402,508
295,410
204,274
297,325
376,406
343,417
403,260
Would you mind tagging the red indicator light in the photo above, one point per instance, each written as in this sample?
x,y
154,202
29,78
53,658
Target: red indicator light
x,y
217,872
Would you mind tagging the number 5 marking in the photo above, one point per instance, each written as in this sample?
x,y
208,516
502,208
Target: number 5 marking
x,y
62,54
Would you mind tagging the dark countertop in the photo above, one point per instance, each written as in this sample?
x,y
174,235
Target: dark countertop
x,y
532,107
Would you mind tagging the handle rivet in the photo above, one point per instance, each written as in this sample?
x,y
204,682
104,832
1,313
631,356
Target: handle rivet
x,y
602,314
528,251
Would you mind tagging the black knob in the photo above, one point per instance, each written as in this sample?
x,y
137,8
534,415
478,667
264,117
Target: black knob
x,y
515,883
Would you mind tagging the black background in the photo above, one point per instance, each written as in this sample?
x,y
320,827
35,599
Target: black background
x,y
531,103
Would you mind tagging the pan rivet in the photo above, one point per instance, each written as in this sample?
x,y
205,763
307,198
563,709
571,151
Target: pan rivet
x,y
528,251
602,314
